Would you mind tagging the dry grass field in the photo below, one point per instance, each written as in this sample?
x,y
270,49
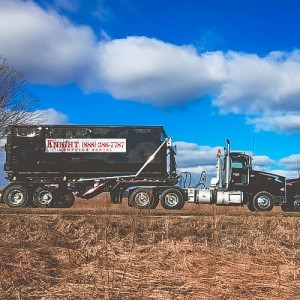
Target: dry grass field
x,y
97,250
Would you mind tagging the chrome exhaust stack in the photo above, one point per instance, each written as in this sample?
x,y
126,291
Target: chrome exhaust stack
x,y
228,164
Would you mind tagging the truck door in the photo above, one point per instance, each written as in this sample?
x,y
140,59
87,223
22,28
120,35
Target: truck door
x,y
240,171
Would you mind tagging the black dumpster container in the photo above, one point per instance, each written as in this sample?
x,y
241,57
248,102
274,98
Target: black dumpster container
x,y
83,150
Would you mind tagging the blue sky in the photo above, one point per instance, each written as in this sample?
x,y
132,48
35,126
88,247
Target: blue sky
x,y
205,70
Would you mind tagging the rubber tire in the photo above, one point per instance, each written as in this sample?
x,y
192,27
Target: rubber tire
x,y
134,198
155,201
259,195
287,208
35,198
250,206
296,207
12,189
176,195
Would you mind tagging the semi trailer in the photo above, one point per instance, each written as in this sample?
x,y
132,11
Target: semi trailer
x,y
47,166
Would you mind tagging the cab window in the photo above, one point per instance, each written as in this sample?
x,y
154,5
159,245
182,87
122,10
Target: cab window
x,y
239,164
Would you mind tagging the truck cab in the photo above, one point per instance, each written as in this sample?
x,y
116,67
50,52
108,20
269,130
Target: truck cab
x,y
250,181
258,190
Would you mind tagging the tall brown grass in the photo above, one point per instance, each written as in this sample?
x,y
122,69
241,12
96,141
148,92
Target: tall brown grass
x,y
215,255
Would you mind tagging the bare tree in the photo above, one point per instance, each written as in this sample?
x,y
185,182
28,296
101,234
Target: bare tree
x,y
17,105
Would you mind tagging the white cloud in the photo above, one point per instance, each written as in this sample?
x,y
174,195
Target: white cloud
x,y
260,84
192,155
46,46
52,116
279,122
149,70
50,49
210,170
291,162
286,173
262,161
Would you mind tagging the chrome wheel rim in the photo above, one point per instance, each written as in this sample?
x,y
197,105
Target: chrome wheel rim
x,y
44,197
142,199
171,199
15,197
263,202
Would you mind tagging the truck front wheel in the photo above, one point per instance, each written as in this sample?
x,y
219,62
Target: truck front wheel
x,y
172,199
263,201
16,196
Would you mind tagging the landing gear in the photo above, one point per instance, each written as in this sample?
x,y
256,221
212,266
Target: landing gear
x,y
65,200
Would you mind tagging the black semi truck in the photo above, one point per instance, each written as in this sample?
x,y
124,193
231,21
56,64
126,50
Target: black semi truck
x,y
48,165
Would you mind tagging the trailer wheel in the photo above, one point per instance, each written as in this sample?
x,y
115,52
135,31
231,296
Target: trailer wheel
x,y
296,204
155,201
289,206
16,196
172,199
43,197
141,198
263,201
